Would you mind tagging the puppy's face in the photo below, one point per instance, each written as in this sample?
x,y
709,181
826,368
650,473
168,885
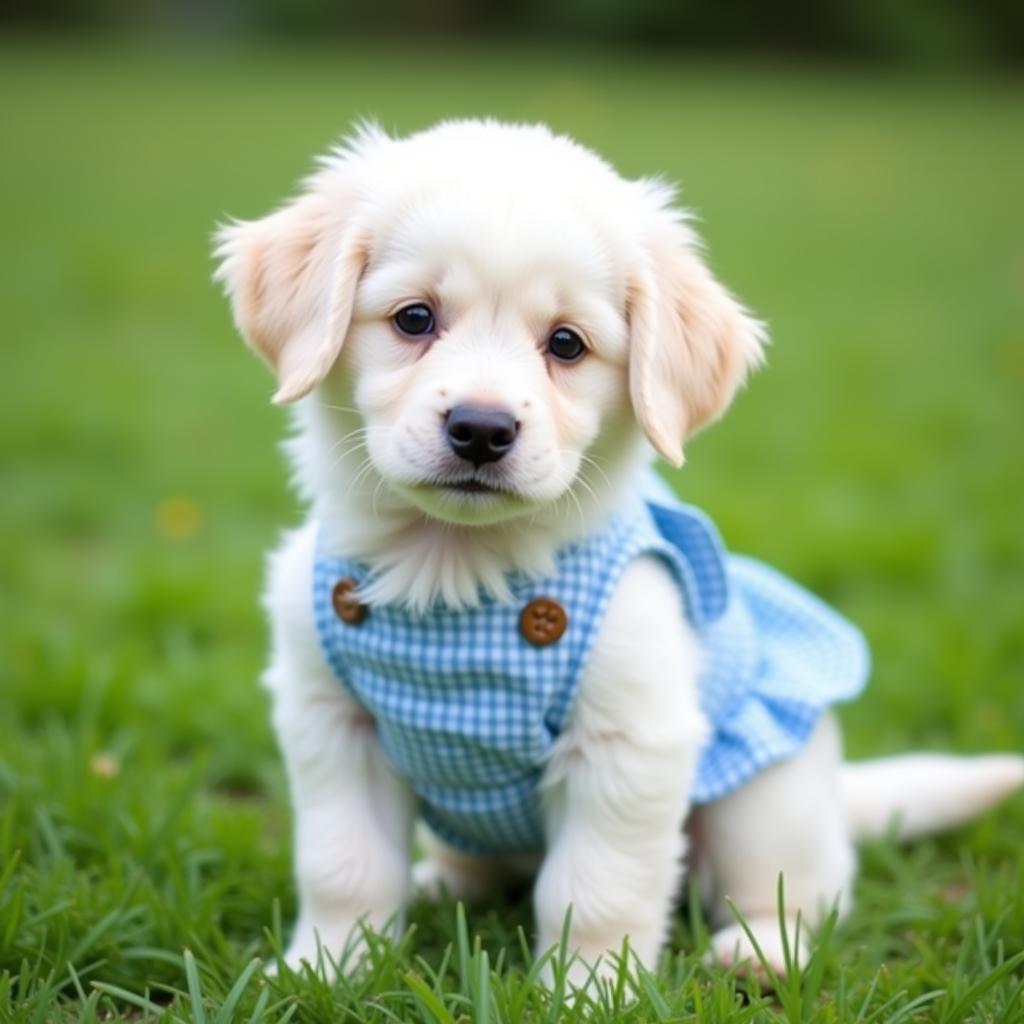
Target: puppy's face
x,y
488,349
499,307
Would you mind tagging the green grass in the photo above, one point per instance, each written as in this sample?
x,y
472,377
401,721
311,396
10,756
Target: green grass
x,y
876,223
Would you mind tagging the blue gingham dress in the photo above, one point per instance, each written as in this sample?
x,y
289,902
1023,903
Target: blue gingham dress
x,y
467,709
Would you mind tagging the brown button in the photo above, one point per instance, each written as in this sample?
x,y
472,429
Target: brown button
x,y
543,621
346,607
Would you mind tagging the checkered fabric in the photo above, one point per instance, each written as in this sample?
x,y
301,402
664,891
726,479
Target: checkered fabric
x,y
467,709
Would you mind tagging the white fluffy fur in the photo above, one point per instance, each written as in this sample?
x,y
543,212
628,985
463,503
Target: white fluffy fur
x,y
509,232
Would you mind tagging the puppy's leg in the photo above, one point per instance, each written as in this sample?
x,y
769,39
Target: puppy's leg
x,y
352,824
618,780
787,820
353,815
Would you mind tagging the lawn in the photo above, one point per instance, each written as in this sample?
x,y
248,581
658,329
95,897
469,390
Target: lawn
x,y
874,219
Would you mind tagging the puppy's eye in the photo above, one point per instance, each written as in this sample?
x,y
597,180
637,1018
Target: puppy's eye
x,y
414,320
566,345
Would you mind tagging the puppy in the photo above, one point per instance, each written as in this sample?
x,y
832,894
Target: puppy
x,y
495,618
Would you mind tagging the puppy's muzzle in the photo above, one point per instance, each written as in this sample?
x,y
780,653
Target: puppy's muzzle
x,y
479,433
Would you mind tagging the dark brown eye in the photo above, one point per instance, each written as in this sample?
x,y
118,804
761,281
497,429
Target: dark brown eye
x,y
566,345
414,320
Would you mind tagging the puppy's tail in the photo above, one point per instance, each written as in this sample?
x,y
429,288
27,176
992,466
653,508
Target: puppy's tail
x,y
915,794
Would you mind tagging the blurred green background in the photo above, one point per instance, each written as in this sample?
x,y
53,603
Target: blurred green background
x,y
871,212
910,32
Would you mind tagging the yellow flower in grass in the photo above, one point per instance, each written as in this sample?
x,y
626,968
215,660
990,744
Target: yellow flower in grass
x,y
178,518
105,766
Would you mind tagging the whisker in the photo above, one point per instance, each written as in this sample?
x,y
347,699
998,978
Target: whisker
x,y
342,440
590,460
579,508
339,408
365,467
373,500
585,484
352,433
345,454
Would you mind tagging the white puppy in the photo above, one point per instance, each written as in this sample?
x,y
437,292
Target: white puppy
x,y
485,329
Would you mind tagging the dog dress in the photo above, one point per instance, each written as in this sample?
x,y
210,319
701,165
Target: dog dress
x,y
468,702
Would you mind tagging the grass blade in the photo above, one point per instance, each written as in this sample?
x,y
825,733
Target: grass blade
x,y
427,998
195,990
225,1014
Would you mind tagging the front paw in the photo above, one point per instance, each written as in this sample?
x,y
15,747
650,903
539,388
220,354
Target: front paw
x,y
590,964
323,949
584,972
736,946
330,946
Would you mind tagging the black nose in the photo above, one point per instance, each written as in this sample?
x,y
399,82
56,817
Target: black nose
x,y
479,434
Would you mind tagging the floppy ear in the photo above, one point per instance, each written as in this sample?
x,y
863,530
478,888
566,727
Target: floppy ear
x,y
291,278
691,343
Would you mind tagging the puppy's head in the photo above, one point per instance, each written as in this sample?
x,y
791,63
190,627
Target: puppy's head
x,y
497,308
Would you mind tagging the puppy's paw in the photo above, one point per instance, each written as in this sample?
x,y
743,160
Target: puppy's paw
x,y
584,972
593,964
329,948
732,947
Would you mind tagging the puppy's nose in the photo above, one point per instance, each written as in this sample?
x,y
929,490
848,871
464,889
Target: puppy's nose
x,y
480,434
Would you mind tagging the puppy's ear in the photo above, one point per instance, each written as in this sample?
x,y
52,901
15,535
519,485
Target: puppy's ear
x,y
291,278
691,343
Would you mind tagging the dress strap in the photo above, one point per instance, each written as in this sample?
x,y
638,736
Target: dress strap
x,y
702,568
